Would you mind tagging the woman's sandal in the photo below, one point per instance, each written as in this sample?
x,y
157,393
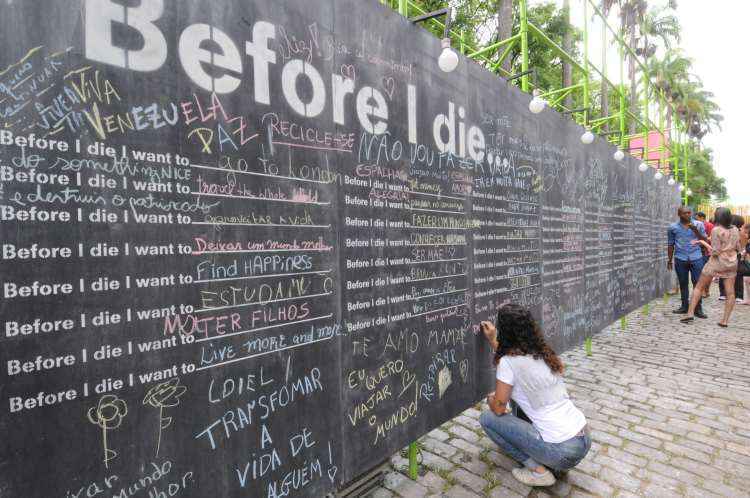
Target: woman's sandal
x,y
722,325
687,319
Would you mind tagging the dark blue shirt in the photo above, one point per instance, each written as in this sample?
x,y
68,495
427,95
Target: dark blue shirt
x,y
680,237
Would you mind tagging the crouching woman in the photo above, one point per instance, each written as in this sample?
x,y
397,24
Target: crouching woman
x,y
530,373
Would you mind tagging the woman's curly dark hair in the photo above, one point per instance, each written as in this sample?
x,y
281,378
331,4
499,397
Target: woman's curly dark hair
x,y
519,334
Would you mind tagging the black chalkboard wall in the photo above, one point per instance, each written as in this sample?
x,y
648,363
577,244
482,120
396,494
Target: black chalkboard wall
x,y
246,244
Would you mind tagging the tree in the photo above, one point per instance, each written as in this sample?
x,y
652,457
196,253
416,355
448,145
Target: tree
x,y
702,180
505,25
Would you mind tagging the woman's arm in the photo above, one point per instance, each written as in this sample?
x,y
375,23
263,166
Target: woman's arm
x,y
703,243
498,400
490,333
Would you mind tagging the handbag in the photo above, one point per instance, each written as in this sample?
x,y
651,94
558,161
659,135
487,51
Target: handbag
x,y
743,268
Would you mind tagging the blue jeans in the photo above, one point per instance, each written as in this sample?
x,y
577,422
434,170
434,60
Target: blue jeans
x,y
522,442
694,269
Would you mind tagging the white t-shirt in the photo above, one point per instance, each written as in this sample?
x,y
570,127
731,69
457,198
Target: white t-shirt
x,y
557,422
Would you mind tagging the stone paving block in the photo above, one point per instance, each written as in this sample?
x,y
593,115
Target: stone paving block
x,y
722,489
650,476
647,414
403,486
740,469
475,466
503,492
682,475
433,481
740,448
656,491
709,472
439,448
461,492
602,426
619,479
690,426
684,451
434,461
736,457
704,448
627,494
635,419
438,434
468,480
640,438
606,438
624,456
615,464
464,433
581,494
381,493
707,440
466,446
468,422
590,484
589,465
472,413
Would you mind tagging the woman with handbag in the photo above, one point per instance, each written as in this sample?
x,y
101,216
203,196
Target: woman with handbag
x,y
725,244
739,282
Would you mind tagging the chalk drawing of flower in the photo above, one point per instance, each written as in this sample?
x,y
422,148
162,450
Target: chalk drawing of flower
x,y
161,396
108,415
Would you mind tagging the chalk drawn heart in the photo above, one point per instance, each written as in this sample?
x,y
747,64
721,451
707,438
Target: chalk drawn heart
x,y
407,379
389,85
332,473
464,369
348,71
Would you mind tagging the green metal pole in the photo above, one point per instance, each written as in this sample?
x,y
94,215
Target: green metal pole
x,y
588,346
623,322
663,139
524,32
413,466
403,8
585,62
604,72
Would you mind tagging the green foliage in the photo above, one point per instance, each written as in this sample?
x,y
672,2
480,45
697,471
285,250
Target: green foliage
x,y
650,32
702,178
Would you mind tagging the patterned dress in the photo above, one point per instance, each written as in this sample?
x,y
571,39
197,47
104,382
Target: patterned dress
x,y
725,245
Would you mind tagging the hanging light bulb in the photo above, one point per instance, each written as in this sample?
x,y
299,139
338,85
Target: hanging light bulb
x,y
537,104
689,192
619,155
642,167
658,176
671,182
448,60
682,187
587,137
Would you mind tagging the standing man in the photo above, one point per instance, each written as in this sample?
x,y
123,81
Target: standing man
x,y
701,216
687,255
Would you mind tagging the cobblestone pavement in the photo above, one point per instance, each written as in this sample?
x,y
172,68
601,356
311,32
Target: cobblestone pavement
x,y
668,406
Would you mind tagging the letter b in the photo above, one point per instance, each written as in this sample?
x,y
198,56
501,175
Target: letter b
x,y
6,137
100,14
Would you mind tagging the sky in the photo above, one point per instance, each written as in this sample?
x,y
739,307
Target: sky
x,y
714,35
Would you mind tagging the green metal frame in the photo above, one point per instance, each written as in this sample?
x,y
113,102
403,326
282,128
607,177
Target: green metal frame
x,y
676,141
